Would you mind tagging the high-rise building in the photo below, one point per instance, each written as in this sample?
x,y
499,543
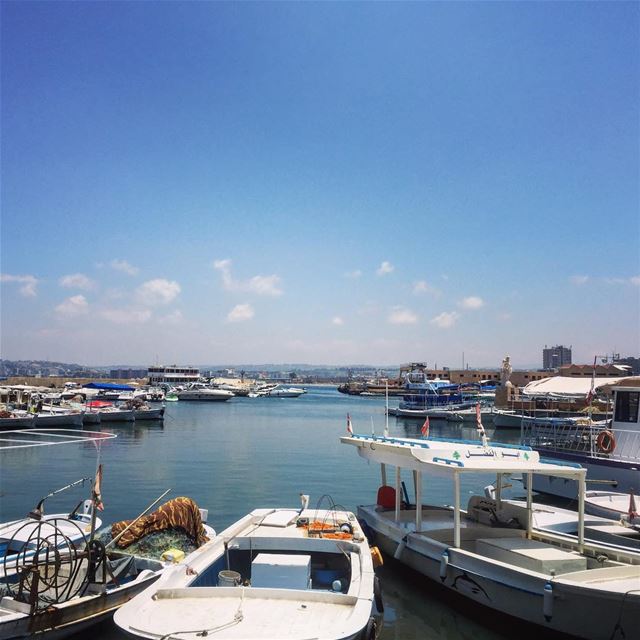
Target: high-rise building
x,y
555,357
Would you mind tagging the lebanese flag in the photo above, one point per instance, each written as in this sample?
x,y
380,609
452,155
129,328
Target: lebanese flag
x,y
425,427
349,427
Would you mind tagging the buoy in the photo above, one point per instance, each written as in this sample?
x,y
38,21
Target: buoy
x,y
547,601
400,548
444,564
376,557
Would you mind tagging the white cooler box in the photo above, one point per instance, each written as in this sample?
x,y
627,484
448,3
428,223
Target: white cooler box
x,y
281,571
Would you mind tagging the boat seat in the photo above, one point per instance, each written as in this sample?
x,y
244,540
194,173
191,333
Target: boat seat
x,y
533,555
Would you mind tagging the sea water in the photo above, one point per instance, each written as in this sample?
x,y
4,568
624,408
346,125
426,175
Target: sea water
x,y
246,453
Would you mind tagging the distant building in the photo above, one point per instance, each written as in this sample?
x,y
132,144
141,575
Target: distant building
x,y
555,357
173,375
606,370
127,374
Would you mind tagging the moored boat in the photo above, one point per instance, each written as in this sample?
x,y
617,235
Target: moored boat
x,y
276,573
538,577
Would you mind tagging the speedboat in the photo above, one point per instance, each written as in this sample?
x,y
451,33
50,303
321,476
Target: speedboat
x,y
67,592
571,586
201,392
275,573
285,392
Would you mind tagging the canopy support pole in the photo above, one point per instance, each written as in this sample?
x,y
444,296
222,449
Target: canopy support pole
x,y
456,510
529,503
383,474
498,491
581,489
417,475
398,490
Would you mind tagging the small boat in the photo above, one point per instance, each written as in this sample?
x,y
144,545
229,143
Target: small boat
x,y
18,537
149,413
613,505
538,577
16,420
276,573
63,418
87,583
201,392
285,392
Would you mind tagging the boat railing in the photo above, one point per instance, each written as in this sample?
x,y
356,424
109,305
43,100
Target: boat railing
x,y
586,439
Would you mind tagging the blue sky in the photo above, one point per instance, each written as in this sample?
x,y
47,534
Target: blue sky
x,y
319,182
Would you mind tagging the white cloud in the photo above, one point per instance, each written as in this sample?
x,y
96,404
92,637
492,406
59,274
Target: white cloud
x,y
28,282
158,291
446,319
77,281
385,268
126,316
260,285
400,315
635,280
579,280
337,321
73,306
175,317
422,286
471,302
124,266
353,275
240,313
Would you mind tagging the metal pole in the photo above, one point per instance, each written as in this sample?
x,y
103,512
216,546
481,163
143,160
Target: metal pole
x,y
529,502
383,473
498,490
581,490
398,489
418,480
456,510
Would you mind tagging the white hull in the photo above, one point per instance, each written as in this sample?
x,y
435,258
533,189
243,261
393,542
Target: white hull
x,y
59,420
612,505
584,611
205,396
90,417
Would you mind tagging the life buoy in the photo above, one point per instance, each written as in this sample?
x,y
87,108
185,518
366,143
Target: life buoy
x,y
377,594
606,442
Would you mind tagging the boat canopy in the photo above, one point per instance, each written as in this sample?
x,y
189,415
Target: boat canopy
x,y
108,386
565,386
439,457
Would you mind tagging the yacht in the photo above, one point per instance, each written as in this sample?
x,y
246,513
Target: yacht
x,y
202,392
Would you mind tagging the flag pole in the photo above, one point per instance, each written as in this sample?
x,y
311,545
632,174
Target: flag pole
x,y
386,412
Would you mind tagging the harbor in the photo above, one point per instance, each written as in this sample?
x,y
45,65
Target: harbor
x,y
240,464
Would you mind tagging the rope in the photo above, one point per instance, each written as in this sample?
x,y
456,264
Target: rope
x,y
618,626
238,617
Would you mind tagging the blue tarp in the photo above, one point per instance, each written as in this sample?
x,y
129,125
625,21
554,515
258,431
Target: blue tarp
x,y
108,386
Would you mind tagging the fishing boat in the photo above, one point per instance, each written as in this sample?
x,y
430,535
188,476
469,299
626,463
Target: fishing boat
x,y
275,573
571,586
612,505
18,538
16,419
65,593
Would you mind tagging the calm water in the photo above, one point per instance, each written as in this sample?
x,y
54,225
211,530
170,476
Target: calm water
x,y
235,456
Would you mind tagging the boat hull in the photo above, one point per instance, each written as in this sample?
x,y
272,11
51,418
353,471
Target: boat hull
x,y
17,423
149,414
59,420
515,593
117,416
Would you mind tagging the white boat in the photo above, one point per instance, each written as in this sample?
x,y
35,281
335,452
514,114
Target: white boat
x,y
275,574
471,415
64,418
613,505
78,589
570,586
201,392
16,420
285,392
148,413
610,451
116,414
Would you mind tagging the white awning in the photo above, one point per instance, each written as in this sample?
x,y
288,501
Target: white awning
x,y
566,386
